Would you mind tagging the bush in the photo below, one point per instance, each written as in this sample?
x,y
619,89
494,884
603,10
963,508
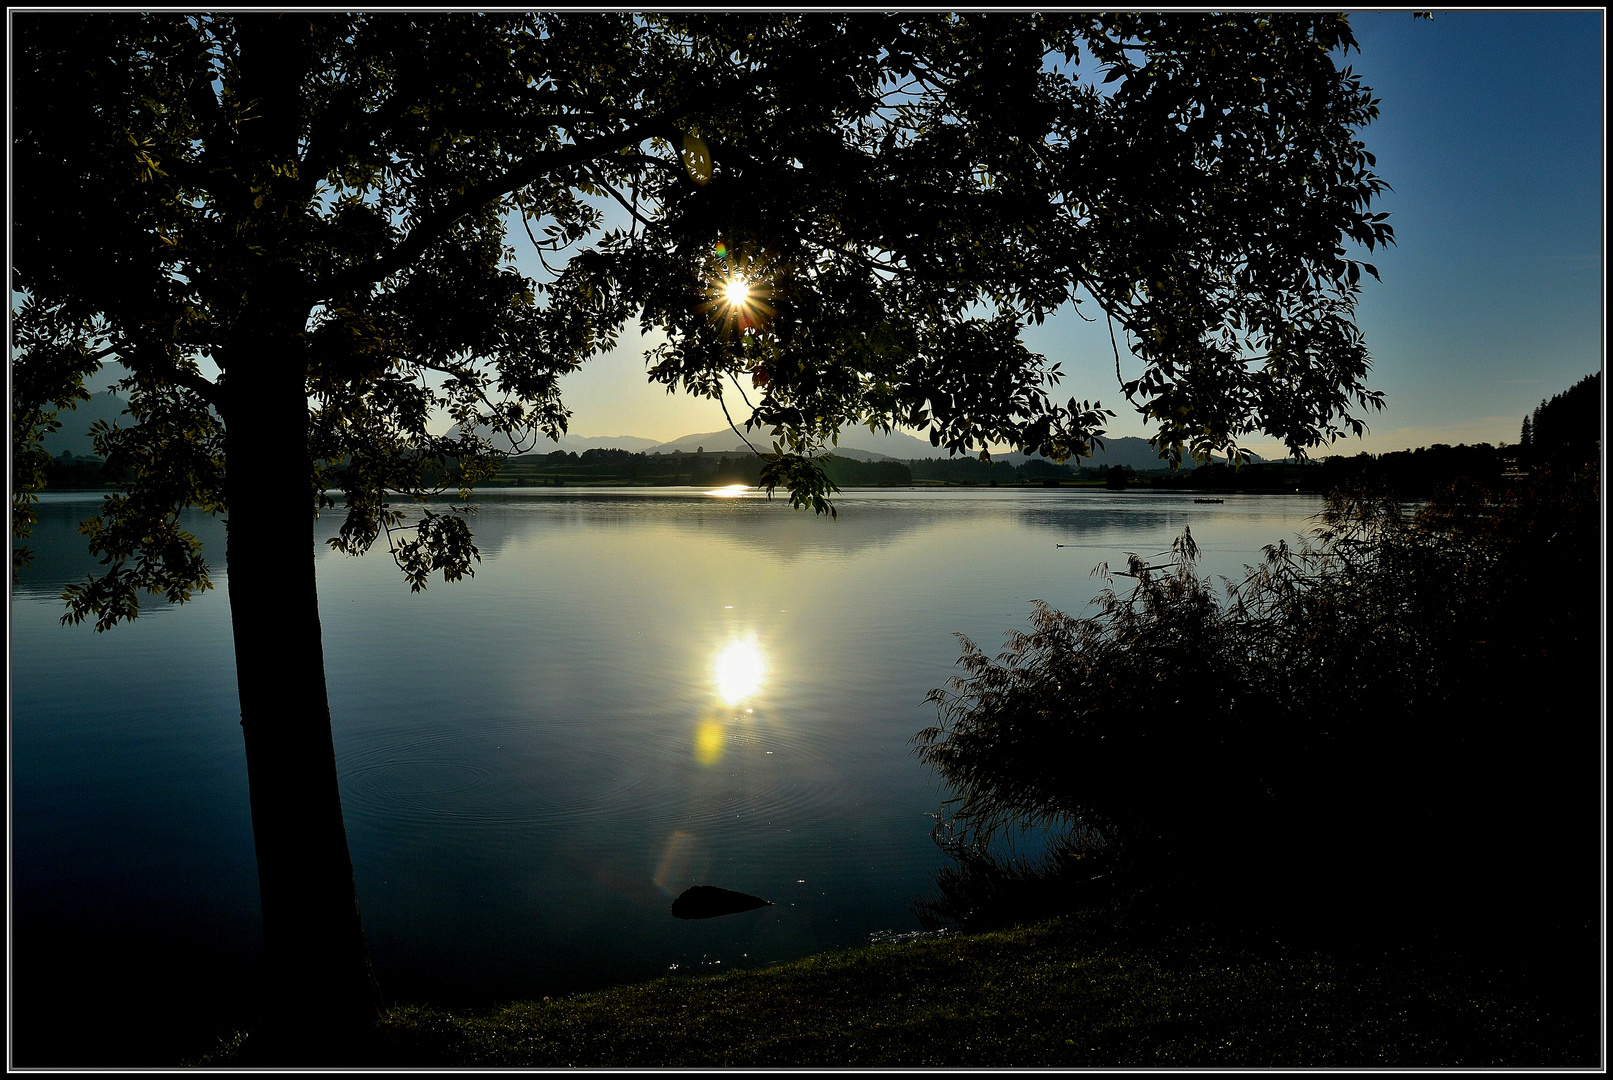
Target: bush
x,y
1401,705
1119,723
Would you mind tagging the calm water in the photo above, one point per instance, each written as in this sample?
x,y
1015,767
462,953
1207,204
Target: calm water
x,y
638,691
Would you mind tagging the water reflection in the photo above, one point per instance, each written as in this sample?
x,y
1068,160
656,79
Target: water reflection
x,y
682,861
870,521
62,556
708,740
739,671
518,830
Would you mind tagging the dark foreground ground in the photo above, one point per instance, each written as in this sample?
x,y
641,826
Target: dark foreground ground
x,y
1125,984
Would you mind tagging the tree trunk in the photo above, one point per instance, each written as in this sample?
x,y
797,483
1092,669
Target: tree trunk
x,y
319,987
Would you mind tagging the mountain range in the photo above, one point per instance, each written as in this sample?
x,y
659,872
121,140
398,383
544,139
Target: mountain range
x,y
855,442
74,434
859,443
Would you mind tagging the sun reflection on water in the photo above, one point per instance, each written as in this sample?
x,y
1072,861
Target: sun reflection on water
x,y
737,674
708,740
739,671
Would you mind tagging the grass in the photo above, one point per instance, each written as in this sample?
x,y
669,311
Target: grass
x,y
1108,987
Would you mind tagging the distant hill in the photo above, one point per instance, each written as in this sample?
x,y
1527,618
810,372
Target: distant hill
x,y
856,443
572,444
74,434
1128,451
715,442
897,445
855,454
579,443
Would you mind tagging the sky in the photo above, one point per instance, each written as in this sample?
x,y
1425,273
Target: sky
x,y
1490,135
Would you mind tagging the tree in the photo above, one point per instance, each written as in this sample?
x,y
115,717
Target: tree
x,y
1567,430
857,213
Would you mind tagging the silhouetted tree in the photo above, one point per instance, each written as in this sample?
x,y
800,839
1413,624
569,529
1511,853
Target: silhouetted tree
x,y
1567,430
314,205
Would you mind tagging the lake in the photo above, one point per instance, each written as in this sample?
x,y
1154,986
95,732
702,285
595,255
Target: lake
x,y
640,690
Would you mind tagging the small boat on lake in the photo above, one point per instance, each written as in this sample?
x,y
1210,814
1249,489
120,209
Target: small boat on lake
x,y
1209,500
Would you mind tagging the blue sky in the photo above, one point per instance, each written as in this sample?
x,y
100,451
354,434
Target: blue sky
x,y
1490,134
1491,137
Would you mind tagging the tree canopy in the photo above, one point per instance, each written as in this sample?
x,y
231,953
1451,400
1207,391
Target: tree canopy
x,y
902,194
292,230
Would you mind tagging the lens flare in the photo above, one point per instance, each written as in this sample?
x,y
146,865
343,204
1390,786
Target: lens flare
x,y
736,292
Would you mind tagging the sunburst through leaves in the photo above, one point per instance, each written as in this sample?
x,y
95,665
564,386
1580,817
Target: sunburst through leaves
x,y
739,292
739,305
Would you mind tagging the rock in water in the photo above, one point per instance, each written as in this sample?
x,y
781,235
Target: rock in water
x,y
708,901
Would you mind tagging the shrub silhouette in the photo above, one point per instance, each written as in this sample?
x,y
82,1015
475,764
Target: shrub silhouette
x,y
1396,717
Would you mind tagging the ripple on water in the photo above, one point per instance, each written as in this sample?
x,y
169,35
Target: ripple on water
x,y
479,778
507,775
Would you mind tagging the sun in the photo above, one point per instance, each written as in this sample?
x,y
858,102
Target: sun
x,y
738,302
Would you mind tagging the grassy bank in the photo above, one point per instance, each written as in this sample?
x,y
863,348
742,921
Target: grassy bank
x,y
1111,987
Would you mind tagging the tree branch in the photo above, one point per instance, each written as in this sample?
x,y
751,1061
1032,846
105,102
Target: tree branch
x,y
646,222
537,247
649,159
475,197
469,377
871,263
730,420
1113,344
190,380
